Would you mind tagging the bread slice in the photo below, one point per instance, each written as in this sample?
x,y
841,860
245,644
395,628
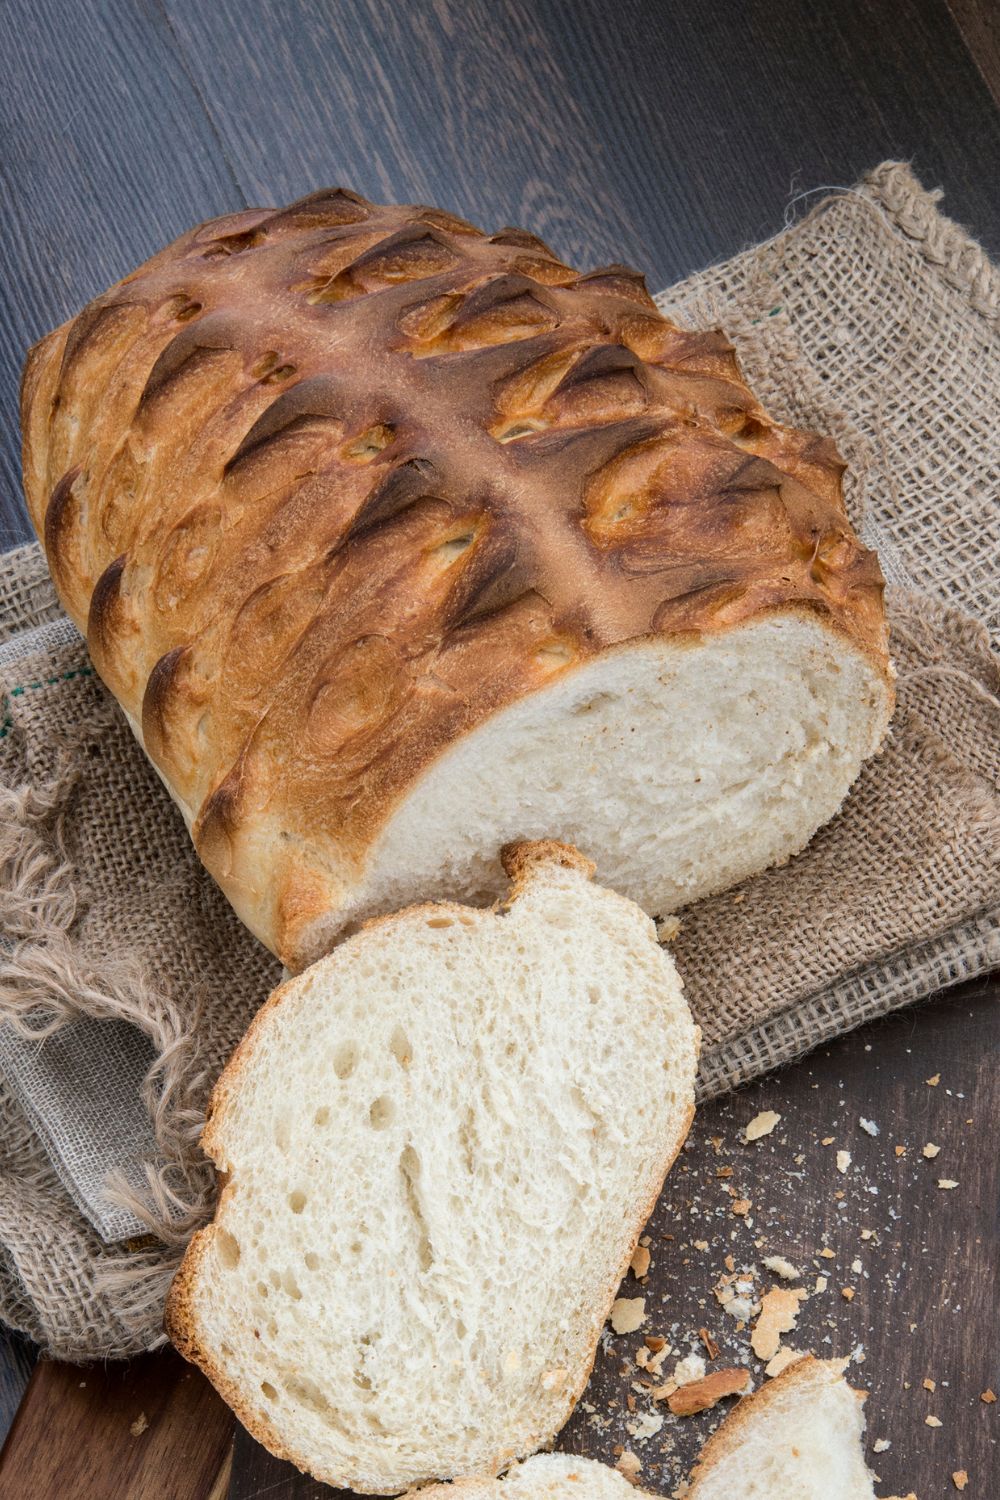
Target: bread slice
x,y
799,1438
547,1476
440,1144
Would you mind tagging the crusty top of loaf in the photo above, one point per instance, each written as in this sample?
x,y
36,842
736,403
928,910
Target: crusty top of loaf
x,y
329,485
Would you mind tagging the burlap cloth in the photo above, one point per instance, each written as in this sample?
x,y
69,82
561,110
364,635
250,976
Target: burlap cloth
x,y
127,980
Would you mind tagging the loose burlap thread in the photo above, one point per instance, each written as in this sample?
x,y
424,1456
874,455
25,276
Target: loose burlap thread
x,y
872,319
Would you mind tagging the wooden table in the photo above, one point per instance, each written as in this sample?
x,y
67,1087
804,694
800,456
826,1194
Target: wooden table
x,y
647,130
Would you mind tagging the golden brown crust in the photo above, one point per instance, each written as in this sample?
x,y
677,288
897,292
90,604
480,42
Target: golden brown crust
x,y
523,861
330,485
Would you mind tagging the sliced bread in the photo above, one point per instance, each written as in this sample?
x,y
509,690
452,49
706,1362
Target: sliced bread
x,y
798,1438
439,1144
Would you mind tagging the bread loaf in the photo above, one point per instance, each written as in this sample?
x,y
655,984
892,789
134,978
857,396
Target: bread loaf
x,y
396,540
440,1144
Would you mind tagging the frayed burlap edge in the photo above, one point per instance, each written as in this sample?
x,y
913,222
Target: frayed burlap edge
x,y
49,981
959,259
964,953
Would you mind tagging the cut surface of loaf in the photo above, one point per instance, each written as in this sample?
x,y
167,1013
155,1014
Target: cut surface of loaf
x,y
396,540
440,1144
798,1438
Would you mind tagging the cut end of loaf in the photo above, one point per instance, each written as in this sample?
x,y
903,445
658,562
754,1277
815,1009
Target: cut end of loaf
x,y
442,1142
684,766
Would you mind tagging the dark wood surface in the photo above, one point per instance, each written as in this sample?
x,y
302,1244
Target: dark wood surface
x,y
150,1430
647,130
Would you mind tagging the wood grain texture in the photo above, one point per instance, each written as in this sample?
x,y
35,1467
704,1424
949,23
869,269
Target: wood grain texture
x,y
107,156
17,1360
666,135
923,1299
153,1427
978,22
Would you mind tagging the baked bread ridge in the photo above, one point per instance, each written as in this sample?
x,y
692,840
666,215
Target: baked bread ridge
x,y
416,1247
817,1402
334,488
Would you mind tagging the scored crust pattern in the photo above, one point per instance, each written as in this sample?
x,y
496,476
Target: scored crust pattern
x,y
329,485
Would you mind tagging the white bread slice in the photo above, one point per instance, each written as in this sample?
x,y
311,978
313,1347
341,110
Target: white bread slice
x,y
798,1438
547,1476
441,1143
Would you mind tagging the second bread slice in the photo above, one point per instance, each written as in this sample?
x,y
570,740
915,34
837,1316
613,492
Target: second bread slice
x,y
441,1143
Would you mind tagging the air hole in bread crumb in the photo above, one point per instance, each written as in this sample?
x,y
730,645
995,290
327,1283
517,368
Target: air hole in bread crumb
x,y
399,1046
297,1201
598,701
268,1390
281,1134
263,1290
227,1248
307,1393
381,1112
291,1286
311,1260
439,922
322,1115
345,1059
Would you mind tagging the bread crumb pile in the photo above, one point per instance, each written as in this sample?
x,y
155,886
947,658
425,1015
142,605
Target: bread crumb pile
x,y
731,1294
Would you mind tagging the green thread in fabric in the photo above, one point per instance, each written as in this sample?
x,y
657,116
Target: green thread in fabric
x,y
7,722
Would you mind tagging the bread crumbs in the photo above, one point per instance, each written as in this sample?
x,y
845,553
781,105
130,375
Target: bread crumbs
x,y
628,1314
761,1125
640,1261
778,1313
